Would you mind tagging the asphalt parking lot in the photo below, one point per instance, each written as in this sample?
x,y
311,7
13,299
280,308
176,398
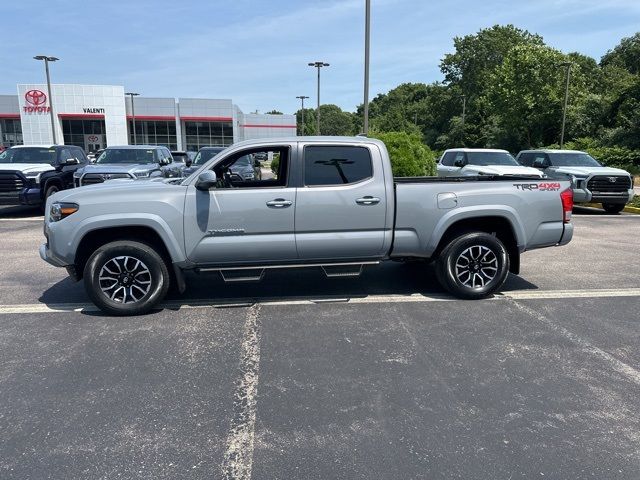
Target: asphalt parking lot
x,y
384,376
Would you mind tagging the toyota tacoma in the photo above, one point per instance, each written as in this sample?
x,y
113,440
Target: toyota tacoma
x,y
333,203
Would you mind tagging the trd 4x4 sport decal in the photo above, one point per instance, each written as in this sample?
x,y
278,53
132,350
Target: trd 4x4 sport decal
x,y
541,187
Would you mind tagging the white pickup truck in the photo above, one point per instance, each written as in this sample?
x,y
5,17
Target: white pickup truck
x,y
332,204
481,161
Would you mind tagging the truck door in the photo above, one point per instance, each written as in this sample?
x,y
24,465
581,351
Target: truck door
x,y
242,221
341,206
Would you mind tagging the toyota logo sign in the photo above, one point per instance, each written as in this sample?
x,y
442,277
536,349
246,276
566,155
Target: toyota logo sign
x,y
93,138
36,100
35,97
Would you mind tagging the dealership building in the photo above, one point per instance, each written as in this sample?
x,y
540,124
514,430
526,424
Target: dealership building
x,y
95,116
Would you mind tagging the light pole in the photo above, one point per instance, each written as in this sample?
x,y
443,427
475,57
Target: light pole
x,y
48,59
566,102
464,113
302,98
133,115
318,65
367,35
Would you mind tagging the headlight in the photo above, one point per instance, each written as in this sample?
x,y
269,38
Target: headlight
x,y
249,176
142,173
34,177
77,174
60,210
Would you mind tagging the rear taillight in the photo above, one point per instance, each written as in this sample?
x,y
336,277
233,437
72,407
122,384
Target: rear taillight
x,y
567,204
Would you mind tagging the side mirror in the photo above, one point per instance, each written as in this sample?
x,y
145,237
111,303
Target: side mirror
x,y
188,162
459,163
71,161
256,163
206,180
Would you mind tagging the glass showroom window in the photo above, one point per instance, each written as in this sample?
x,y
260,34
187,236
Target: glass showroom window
x,y
74,131
207,134
154,132
10,132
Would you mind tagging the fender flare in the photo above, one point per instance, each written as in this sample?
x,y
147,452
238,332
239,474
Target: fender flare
x,y
476,212
111,221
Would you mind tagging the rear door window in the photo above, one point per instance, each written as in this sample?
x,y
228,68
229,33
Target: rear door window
x,y
336,165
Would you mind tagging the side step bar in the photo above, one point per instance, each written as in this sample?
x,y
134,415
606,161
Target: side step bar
x,y
256,273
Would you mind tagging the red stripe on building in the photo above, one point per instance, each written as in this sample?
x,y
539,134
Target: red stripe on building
x,y
269,126
152,117
9,115
207,119
97,116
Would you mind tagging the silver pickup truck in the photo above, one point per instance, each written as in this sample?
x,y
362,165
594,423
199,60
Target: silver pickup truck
x,y
332,203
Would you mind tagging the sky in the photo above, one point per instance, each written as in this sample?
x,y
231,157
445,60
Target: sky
x,y
256,52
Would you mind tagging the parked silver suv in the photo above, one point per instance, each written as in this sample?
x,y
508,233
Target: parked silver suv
x,y
590,180
130,162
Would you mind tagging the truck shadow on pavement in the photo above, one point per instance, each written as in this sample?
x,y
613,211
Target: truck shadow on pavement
x,y
16,213
298,284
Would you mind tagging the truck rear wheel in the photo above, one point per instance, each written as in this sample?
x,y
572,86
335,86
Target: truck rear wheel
x,y
613,207
126,278
473,265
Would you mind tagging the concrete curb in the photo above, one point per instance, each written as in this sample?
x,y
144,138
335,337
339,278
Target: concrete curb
x,y
627,209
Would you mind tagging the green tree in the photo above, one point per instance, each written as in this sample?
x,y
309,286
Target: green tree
x,y
626,55
333,121
409,156
274,112
527,91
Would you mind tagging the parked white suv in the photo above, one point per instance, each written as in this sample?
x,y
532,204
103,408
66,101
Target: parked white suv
x,y
465,162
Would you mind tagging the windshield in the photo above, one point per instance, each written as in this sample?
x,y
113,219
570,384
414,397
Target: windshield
x,y
28,155
573,160
127,155
206,154
491,158
244,161
179,157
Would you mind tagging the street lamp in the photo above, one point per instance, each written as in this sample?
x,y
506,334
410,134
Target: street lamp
x,y
302,98
133,115
367,35
318,65
46,60
464,113
566,101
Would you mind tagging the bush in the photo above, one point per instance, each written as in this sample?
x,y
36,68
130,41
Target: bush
x,y
409,156
275,164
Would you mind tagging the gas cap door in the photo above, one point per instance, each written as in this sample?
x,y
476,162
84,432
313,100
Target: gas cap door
x,y
447,200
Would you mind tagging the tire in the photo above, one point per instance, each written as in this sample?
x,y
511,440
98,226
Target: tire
x,y
145,284
488,265
613,208
51,189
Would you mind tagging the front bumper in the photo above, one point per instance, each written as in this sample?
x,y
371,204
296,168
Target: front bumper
x,y
47,256
614,197
26,196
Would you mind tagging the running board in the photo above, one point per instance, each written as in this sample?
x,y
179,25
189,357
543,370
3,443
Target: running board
x,y
256,273
342,271
253,275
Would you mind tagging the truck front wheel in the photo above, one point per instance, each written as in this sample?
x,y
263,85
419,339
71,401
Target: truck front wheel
x,y
473,265
613,207
126,278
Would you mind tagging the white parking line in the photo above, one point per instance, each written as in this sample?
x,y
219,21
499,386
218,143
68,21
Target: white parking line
x,y
26,219
238,456
613,362
409,298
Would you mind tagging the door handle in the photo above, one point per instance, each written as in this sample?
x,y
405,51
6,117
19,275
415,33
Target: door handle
x,y
279,203
368,200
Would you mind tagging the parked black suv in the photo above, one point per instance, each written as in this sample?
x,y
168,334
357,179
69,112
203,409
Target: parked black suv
x,y
30,174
